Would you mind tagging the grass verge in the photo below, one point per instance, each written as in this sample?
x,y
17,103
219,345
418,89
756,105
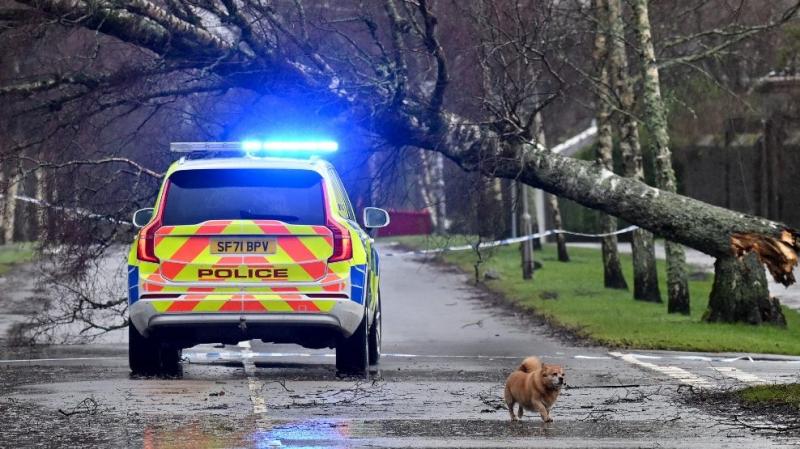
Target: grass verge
x,y
15,253
780,395
571,295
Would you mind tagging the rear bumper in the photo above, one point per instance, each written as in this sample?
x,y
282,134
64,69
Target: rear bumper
x,y
313,329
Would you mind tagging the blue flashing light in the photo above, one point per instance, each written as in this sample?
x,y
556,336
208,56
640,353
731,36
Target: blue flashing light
x,y
251,145
258,149
322,146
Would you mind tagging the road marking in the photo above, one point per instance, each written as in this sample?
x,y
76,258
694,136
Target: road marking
x,y
671,371
254,385
739,375
64,359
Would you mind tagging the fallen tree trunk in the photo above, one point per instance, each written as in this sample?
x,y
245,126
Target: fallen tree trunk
x,y
395,116
713,230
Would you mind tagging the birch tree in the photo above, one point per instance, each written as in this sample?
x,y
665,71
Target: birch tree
x,y
612,269
645,273
552,200
656,122
365,66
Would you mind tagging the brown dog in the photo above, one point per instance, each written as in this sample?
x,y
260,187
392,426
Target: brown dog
x,y
535,386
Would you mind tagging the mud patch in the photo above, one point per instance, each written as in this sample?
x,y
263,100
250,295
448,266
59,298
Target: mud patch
x,y
733,412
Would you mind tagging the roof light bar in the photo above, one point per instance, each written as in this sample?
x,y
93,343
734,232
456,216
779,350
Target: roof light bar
x,y
250,146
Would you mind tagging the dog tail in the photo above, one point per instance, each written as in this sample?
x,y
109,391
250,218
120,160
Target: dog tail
x,y
530,365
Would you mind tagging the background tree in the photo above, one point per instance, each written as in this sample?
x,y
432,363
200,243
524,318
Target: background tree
x,y
147,73
645,273
612,268
656,122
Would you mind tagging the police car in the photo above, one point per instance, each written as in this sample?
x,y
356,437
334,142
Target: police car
x,y
244,245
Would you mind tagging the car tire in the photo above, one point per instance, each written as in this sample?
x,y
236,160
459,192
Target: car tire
x,y
375,335
150,356
143,353
352,353
170,357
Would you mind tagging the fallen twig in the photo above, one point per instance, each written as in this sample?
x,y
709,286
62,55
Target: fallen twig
x,y
88,406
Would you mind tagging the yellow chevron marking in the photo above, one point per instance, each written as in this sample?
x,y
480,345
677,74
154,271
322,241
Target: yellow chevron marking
x,y
209,305
161,306
324,305
276,305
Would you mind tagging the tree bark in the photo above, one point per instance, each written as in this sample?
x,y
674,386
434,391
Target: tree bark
x,y
645,272
656,122
427,188
552,200
740,293
612,269
440,194
10,210
561,241
474,146
41,210
527,229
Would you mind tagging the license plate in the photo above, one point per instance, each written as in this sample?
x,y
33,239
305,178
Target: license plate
x,y
243,246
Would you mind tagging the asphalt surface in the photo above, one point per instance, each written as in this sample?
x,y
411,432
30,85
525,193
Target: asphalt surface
x,y
447,350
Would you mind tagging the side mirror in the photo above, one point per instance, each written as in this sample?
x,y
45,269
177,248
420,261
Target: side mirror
x,y
375,218
142,216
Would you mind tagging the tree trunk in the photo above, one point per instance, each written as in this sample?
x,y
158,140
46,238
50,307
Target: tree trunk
x,y
41,209
426,188
514,193
552,200
612,269
561,241
10,210
418,121
740,293
527,229
656,122
645,272
440,195
3,203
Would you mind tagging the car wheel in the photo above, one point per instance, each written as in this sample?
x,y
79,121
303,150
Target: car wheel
x,y
170,360
352,353
375,332
143,353
151,357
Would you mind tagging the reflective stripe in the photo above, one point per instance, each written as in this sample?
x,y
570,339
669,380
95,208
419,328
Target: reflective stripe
x,y
133,284
357,281
242,303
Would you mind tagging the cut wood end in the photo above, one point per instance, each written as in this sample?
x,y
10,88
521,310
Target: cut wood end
x,y
778,254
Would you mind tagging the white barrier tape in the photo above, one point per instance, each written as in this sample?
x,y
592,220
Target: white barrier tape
x,y
78,211
512,240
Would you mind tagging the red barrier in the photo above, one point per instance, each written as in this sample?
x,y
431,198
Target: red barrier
x,y
407,222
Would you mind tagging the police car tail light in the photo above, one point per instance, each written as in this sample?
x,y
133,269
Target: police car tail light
x,y
342,247
146,249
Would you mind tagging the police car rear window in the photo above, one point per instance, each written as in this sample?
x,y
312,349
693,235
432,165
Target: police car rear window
x,y
291,196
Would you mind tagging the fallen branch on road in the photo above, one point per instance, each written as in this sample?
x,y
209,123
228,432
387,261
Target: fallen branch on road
x,y
87,406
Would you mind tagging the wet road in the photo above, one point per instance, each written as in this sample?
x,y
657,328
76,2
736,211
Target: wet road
x,y
447,350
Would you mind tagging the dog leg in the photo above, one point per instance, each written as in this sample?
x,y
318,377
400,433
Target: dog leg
x,y
510,403
519,412
511,411
542,411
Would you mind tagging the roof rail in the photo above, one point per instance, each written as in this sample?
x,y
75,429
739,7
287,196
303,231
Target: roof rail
x,y
196,147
